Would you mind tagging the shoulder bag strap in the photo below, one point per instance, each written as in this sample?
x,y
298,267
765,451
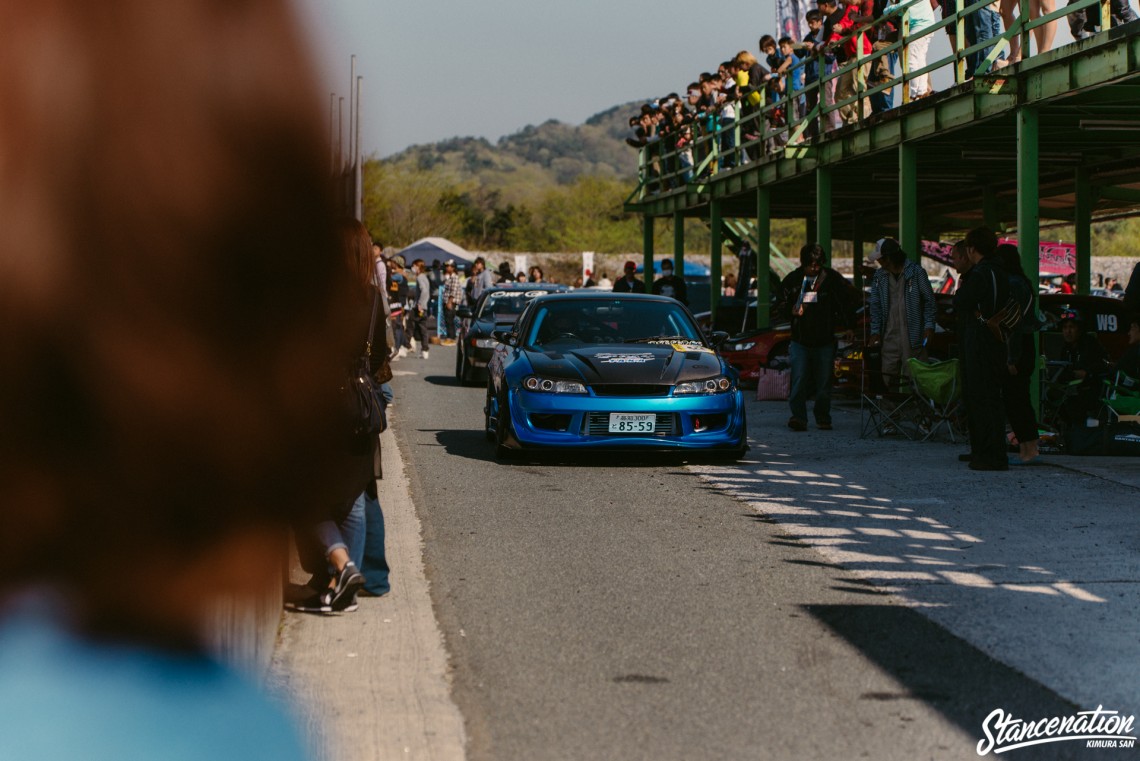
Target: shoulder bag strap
x,y
372,324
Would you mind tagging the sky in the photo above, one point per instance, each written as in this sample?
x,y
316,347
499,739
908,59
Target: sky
x,y
436,69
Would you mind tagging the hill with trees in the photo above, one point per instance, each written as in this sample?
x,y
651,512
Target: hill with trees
x,y
558,188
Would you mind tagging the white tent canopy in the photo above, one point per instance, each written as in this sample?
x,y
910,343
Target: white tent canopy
x,y
430,249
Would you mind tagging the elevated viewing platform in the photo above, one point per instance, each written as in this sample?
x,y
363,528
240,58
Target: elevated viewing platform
x,y
1052,139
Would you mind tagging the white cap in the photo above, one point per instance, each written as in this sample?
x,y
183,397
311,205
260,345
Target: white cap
x,y
876,254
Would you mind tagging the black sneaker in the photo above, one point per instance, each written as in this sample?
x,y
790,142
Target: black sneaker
x,y
314,603
348,581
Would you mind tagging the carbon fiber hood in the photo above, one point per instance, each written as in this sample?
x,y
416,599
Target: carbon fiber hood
x,y
627,363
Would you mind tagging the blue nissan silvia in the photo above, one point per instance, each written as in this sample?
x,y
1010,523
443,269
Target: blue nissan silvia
x,y
596,370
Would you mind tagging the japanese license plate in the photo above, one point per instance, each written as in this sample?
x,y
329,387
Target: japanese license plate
x,y
625,422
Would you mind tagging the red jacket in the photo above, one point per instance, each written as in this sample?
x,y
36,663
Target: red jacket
x,y
845,26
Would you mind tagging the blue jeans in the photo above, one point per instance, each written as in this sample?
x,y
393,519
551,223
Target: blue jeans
x,y
884,101
347,535
727,143
981,25
375,564
812,369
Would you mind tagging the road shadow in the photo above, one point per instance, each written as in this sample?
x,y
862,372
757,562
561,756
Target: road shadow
x,y
444,380
943,671
473,445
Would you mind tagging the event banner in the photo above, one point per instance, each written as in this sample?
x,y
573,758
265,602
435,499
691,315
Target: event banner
x,y
790,18
1055,258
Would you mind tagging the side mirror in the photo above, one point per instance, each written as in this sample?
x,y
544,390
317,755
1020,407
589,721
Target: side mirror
x,y
463,312
504,337
718,337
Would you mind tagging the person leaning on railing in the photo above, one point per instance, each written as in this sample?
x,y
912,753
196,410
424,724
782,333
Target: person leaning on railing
x,y
727,97
848,46
918,15
813,44
1087,21
884,65
751,78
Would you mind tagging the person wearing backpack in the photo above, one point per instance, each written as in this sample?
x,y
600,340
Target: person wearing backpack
x,y
1021,358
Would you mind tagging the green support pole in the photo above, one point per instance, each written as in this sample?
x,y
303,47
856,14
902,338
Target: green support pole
x,y
647,249
1028,219
857,253
909,237
1083,222
717,244
763,256
823,210
679,243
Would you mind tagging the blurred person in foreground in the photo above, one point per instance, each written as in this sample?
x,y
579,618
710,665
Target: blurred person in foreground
x,y
173,328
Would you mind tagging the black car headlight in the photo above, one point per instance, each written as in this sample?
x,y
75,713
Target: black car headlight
x,y
483,343
552,385
717,385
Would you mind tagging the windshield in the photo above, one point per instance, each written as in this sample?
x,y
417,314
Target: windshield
x,y
506,306
594,321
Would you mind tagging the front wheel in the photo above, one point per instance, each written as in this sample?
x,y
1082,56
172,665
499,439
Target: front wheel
x,y
738,452
488,432
503,430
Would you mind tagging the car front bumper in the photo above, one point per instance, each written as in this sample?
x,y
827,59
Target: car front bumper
x,y
713,421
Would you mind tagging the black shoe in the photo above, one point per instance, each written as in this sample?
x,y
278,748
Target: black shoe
x,y
797,425
986,466
965,457
314,603
823,425
348,581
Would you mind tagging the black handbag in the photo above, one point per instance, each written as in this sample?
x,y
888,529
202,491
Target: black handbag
x,y
363,400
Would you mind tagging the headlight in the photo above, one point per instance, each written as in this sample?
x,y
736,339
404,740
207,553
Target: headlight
x,y
716,385
740,347
550,386
483,343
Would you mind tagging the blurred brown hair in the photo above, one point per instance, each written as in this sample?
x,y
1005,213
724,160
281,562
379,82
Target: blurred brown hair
x,y
356,244
170,290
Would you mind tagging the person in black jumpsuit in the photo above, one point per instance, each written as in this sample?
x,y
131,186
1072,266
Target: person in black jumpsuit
x,y
982,355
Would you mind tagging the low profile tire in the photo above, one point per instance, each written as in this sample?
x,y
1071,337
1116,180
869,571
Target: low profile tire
x,y
738,452
487,432
460,374
503,431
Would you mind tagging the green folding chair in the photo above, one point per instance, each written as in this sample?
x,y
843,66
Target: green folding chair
x,y
938,390
1122,398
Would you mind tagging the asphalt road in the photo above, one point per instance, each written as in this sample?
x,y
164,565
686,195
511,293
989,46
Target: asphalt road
x,y
611,608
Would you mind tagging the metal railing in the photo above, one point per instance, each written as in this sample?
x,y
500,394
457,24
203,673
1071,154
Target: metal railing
x,y
782,126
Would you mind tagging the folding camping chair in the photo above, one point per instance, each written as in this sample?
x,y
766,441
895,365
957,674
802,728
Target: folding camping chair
x,y
938,391
1122,398
885,408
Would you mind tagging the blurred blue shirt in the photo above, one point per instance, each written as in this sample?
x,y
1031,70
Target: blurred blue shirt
x,y
65,697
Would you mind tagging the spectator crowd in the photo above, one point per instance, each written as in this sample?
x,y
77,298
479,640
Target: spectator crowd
x,y
796,89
